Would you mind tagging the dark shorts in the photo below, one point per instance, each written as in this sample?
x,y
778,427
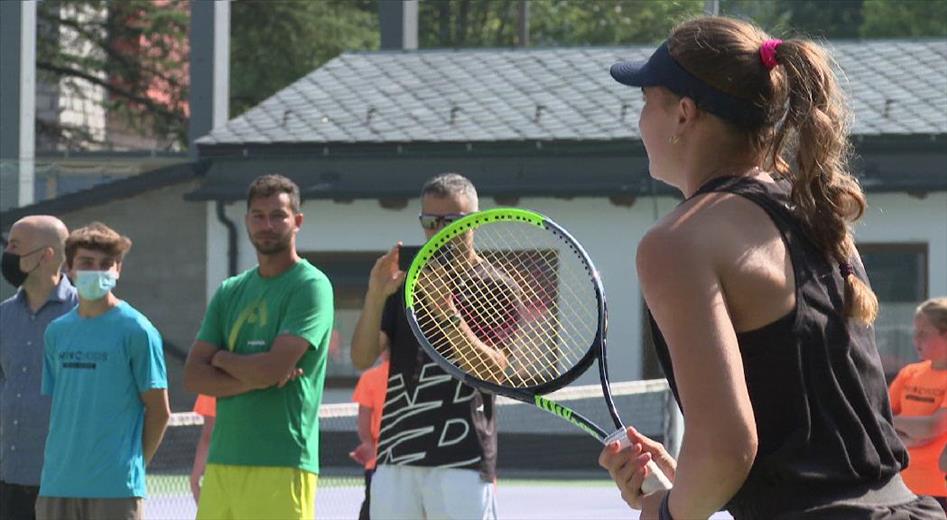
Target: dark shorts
x,y
60,508
17,502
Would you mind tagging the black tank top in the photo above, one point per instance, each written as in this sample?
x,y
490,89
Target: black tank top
x,y
814,379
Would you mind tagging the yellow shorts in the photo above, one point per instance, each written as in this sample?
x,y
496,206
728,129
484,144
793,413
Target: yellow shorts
x,y
252,492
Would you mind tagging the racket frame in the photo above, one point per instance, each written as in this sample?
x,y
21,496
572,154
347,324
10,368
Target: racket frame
x,y
532,394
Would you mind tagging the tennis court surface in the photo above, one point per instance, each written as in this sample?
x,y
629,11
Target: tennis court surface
x,y
547,468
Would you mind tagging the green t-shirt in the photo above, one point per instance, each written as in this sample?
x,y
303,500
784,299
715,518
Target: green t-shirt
x,y
273,426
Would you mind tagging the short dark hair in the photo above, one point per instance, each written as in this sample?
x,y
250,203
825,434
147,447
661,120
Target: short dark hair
x,y
97,237
272,184
448,185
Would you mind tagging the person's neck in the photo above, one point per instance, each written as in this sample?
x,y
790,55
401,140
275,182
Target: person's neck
x,y
697,178
274,265
95,308
704,162
39,287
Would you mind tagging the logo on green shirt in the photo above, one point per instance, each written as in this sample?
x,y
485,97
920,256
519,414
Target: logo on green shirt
x,y
255,315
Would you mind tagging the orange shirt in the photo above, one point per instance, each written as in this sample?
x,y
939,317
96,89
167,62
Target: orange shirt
x,y
205,406
919,391
370,393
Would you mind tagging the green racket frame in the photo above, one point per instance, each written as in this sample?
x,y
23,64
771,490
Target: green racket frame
x,y
534,394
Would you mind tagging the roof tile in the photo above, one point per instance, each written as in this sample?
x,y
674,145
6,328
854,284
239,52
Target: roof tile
x,y
480,95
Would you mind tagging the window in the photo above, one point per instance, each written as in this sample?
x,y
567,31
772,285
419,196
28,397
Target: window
x,y
898,275
348,272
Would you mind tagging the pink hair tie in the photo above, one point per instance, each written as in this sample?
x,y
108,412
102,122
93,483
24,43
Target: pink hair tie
x,y
768,53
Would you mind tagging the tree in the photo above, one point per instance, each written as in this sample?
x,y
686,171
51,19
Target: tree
x,y
135,51
844,18
493,23
275,43
610,22
814,18
904,19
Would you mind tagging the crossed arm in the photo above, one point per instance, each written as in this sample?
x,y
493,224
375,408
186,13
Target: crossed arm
x,y
221,373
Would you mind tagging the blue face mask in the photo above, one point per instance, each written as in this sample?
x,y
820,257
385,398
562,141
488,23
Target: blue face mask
x,y
94,285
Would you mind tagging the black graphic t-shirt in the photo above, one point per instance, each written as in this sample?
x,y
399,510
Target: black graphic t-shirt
x,y
431,419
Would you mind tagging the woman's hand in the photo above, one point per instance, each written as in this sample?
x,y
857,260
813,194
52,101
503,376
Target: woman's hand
x,y
628,468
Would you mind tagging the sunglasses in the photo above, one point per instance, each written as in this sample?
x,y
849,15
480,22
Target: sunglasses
x,y
430,221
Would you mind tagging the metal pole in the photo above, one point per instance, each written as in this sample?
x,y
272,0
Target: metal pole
x,y
17,102
523,23
209,99
398,21
712,7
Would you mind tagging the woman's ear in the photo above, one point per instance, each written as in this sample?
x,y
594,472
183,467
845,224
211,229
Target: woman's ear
x,y
687,112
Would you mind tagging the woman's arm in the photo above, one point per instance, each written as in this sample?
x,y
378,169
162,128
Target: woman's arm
x,y
685,296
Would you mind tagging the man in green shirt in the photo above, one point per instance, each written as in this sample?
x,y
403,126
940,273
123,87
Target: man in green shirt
x,y
261,351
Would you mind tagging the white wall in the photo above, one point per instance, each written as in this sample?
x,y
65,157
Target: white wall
x,y
610,234
897,217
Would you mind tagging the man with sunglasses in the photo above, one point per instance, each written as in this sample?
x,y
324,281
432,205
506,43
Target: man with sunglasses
x,y
32,262
437,447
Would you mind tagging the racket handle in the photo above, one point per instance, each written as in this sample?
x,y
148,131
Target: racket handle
x,y
656,479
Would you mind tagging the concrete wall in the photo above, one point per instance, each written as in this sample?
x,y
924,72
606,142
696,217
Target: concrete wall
x,y
163,275
180,252
901,218
610,233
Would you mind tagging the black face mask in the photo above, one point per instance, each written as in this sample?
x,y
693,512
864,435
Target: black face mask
x,y
11,268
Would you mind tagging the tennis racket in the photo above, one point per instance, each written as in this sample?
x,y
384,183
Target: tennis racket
x,y
508,302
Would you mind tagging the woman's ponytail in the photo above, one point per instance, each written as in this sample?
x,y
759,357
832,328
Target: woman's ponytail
x,y
825,195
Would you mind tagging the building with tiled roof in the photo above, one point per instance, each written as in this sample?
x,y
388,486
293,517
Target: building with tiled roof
x,y
546,129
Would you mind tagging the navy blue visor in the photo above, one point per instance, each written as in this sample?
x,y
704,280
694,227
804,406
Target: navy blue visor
x,y
662,70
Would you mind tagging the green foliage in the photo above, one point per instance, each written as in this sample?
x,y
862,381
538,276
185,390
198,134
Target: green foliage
x,y
274,43
493,23
129,49
844,18
905,18
821,19
134,49
607,22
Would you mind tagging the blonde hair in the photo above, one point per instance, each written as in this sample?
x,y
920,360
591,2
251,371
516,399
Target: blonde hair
x,y
935,310
805,124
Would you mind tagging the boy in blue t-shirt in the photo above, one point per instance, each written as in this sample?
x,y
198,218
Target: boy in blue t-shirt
x,y
104,368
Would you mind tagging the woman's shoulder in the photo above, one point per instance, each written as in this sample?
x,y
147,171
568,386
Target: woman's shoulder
x,y
716,231
711,221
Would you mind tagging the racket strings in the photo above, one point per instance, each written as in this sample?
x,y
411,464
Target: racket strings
x,y
540,347
444,285
525,302
556,277
570,274
571,277
490,299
